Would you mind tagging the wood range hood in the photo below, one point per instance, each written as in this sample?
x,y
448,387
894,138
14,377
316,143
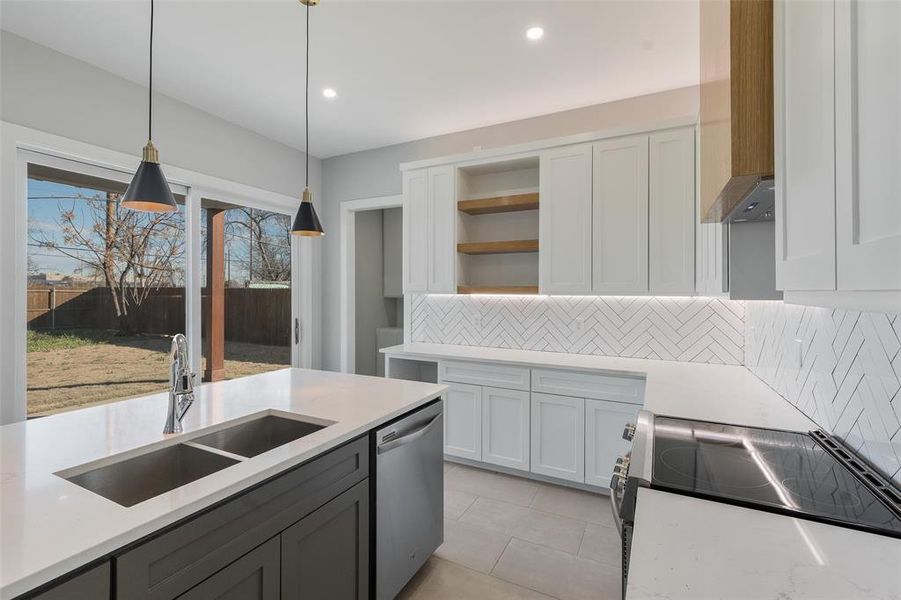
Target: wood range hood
x,y
736,108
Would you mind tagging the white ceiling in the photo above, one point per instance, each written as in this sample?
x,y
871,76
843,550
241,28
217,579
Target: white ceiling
x,y
403,70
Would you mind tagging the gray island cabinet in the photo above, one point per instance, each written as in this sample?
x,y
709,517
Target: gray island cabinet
x,y
304,533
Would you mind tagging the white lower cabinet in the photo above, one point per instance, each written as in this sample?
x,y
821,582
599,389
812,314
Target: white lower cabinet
x,y
569,438
558,436
463,421
604,443
505,427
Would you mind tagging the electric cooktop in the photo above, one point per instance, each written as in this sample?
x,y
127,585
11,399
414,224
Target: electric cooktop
x,y
806,475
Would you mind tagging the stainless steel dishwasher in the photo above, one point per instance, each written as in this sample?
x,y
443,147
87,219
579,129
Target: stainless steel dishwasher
x,y
409,494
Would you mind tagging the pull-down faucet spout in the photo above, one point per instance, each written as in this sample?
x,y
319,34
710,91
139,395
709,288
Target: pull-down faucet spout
x,y
181,384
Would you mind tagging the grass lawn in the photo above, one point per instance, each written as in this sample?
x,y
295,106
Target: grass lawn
x,y
75,368
65,339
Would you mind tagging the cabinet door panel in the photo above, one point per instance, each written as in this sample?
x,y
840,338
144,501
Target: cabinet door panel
x,y
254,576
94,584
620,216
868,144
326,555
604,443
505,427
442,248
416,231
463,421
804,90
564,221
672,212
558,436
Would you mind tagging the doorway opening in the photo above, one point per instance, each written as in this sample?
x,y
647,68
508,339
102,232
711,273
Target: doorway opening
x,y
372,298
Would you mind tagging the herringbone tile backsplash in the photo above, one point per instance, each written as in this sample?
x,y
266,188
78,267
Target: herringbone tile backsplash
x,y
688,329
841,368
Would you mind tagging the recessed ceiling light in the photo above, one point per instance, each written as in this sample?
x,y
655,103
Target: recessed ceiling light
x,y
535,33
329,93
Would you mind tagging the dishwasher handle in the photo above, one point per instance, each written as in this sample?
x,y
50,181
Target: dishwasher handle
x,y
406,439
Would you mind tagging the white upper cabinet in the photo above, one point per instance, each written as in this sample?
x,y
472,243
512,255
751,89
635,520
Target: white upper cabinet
x,y
671,200
804,89
837,85
442,219
868,144
429,230
564,261
416,234
620,216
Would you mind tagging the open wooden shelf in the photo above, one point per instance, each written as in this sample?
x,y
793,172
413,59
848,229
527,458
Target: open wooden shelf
x,y
507,247
499,204
507,289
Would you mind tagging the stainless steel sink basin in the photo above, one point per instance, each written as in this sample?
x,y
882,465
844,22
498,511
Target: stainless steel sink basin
x,y
134,480
258,436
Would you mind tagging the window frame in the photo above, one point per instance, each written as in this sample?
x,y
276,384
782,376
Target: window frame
x,y
21,146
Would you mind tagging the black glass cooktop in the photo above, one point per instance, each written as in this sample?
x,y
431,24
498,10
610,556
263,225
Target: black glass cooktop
x,y
781,471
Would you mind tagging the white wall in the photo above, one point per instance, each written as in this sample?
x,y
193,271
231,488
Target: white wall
x,y
46,90
377,172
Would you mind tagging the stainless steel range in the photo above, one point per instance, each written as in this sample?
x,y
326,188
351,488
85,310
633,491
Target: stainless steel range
x,y
808,475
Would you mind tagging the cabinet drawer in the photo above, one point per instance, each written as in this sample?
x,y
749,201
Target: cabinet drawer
x,y
510,378
588,385
170,564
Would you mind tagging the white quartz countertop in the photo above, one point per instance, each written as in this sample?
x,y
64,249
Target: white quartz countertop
x,y
723,393
49,526
686,547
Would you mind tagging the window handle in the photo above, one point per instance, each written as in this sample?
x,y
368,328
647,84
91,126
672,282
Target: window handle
x,y
297,332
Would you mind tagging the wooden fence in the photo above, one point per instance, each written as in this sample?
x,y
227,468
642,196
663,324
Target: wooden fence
x,y
254,315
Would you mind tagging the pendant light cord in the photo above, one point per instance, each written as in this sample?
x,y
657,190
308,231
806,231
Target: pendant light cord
x,y
306,102
150,84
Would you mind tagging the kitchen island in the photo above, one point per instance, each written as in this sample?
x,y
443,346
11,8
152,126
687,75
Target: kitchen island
x,y
52,527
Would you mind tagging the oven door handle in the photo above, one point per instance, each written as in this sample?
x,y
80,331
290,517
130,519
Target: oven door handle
x,y
617,483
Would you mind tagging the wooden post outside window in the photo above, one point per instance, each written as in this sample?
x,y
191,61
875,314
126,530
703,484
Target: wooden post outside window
x,y
214,315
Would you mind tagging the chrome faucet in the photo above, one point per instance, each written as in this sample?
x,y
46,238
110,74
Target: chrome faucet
x,y
181,384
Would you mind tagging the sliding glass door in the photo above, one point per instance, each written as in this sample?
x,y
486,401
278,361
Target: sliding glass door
x,y
106,287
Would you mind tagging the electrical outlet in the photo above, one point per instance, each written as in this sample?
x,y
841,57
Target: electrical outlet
x,y
580,324
799,345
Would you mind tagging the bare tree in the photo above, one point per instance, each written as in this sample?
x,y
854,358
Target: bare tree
x,y
135,253
269,252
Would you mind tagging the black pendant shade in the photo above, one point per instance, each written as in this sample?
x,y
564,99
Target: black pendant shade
x,y
306,223
149,190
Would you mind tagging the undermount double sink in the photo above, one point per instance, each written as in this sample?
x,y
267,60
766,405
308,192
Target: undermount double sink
x,y
132,480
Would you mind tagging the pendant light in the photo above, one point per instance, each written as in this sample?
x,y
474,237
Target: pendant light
x,y
149,190
306,223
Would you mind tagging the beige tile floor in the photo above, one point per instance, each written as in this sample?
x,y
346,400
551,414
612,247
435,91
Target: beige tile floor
x,y
507,537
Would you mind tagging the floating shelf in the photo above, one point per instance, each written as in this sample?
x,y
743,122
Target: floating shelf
x,y
507,289
499,204
508,247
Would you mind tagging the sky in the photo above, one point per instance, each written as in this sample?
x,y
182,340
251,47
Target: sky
x,y
47,199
